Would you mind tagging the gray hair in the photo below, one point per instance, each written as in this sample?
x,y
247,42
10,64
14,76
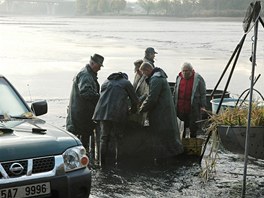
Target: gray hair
x,y
188,65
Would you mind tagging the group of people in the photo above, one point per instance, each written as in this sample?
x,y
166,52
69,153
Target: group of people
x,y
104,112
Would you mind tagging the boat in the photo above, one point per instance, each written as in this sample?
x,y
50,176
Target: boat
x,y
137,146
233,139
137,143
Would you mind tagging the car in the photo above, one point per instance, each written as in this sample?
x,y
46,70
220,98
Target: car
x,y
36,158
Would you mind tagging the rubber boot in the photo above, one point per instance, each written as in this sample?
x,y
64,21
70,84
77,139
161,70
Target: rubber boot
x,y
193,134
103,155
184,133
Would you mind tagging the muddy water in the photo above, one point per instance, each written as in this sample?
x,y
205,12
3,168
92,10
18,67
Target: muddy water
x,y
176,181
179,179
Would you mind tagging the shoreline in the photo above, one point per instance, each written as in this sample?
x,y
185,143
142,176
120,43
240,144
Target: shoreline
x,y
162,18
143,17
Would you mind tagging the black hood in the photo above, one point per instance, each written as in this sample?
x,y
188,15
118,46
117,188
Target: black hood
x,y
117,76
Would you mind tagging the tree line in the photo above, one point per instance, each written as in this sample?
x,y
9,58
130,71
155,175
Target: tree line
x,y
178,8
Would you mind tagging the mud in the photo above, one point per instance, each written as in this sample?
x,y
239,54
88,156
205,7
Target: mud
x,y
178,179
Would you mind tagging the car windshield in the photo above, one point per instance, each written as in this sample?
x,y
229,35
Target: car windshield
x,y
10,103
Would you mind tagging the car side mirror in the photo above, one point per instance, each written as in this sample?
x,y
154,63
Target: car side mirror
x,y
39,107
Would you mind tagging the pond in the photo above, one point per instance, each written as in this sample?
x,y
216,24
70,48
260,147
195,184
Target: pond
x,y
40,55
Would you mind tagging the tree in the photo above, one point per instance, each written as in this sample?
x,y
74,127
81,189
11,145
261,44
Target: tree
x,y
164,6
118,5
207,4
92,6
176,7
147,5
81,7
103,6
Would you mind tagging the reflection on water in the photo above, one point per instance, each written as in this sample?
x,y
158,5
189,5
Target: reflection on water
x,y
47,51
180,180
146,182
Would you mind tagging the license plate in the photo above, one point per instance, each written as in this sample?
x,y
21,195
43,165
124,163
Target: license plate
x,y
33,190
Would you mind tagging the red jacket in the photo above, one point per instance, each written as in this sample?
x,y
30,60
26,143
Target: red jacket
x,y
184,95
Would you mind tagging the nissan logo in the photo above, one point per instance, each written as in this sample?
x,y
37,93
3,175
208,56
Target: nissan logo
x,y
16,169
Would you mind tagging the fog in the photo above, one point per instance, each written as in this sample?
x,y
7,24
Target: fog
x,y
177,8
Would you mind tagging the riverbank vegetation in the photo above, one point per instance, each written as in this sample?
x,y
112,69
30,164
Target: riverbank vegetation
x,y
170,8
176,8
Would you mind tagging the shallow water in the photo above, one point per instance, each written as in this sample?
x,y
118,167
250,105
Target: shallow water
x,y
37,53
181,179
40,56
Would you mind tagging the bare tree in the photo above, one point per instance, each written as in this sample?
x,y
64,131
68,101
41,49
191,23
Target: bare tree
x,y
164,6
118,5
81,7
147,5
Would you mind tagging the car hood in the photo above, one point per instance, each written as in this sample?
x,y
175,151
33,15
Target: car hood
x,y
32,138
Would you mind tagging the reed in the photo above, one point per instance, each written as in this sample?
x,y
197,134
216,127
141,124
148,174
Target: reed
x,y
237,116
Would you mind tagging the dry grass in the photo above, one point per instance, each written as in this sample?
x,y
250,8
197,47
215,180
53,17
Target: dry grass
x,y
232,117
238,116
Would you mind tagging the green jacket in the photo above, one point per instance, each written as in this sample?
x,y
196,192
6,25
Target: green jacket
x,y
162,116
83,99
113,104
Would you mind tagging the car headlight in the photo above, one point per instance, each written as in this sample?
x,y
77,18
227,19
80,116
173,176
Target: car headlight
x,y
75,158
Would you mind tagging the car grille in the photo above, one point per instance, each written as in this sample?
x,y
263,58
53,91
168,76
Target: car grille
x,y
23,167
43,165
8,165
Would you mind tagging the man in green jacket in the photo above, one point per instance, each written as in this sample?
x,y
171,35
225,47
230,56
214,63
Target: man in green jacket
x,y
83,99
162,116
112,112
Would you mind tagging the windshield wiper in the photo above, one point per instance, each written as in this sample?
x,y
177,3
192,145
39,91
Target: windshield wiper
x,y
4,129
39,131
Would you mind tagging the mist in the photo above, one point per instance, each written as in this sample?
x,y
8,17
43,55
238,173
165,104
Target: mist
x,y
176,8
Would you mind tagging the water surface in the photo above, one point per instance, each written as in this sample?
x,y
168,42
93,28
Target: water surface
x,y
37,53
41,55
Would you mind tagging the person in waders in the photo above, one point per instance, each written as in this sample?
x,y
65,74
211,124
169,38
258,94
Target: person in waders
x,y
141,89
162,117
140,85
83,99
112,112
189,98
